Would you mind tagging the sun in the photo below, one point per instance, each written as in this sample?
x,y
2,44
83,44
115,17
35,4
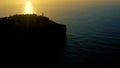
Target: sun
x,y
28,7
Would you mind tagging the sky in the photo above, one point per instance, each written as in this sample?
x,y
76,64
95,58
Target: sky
x,y
12,6
2,2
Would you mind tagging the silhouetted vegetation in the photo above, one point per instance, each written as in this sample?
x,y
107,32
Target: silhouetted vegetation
x,y
31,39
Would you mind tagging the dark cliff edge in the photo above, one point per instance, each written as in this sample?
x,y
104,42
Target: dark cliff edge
x,y
31,39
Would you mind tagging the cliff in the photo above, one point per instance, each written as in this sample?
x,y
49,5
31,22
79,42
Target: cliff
x,y
31,27
31,37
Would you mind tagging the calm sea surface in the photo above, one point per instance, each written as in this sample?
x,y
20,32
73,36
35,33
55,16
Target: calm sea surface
x,y
93,33
93,36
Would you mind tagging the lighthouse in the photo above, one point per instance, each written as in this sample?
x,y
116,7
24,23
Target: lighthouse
x,y
42,14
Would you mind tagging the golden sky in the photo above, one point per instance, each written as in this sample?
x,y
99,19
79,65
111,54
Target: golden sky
x,y
17,6
55,2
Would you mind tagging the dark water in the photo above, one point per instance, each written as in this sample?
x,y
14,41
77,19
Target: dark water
x,y
93,37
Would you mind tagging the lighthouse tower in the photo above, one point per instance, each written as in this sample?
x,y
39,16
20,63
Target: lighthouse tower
x,y
43,14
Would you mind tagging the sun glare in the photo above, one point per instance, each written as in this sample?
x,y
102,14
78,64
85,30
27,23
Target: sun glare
x,y
28,7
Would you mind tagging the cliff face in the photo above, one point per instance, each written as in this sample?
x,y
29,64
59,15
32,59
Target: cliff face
x,y
22,27
31,35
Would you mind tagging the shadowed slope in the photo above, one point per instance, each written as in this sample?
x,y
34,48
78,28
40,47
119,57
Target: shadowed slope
x,y
31,39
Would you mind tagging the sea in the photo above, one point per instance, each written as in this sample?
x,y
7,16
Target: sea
x,y
93,36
